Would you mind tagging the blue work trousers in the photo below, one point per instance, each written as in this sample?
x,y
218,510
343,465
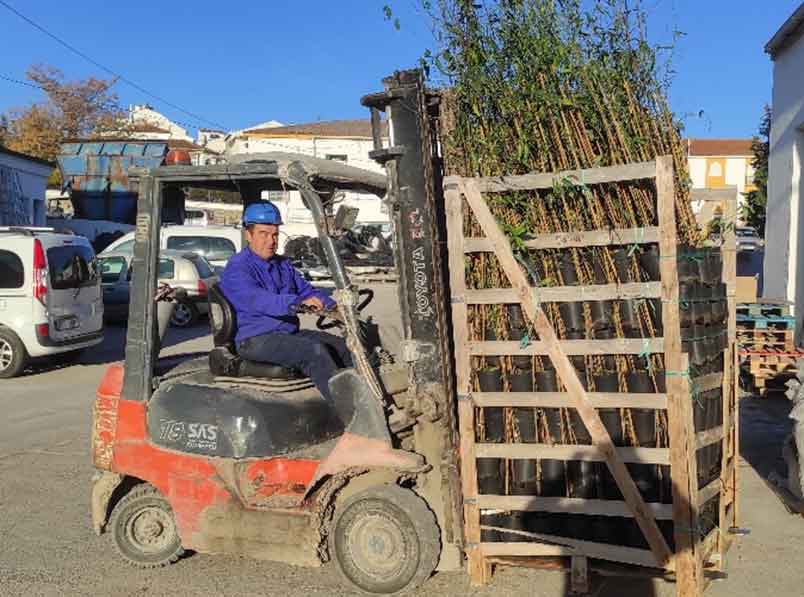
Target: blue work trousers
x,y
316,354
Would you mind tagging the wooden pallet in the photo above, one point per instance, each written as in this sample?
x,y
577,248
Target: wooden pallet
x,y
764,309
764,322
765,339
692,552
769,369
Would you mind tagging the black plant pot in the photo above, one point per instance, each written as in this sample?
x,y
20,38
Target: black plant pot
x,y
687,297
553,481
660,380
600,312
521,380
490,476
524,480
644,426
516,318
646,478
491,520
666,484
607,486
566,266
599,272
649,262
572,316
582,478
629,316
699,354
687,264
490,380
702,307
622,263
639,382
546,381
608,382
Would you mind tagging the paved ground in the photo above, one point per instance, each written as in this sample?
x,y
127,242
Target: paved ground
x,y
47,546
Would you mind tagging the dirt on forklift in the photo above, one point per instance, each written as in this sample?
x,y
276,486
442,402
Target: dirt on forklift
x,y
216,454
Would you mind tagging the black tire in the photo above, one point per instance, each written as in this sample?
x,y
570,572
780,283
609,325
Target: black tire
x,y
13,356
144,529
385,540
185,315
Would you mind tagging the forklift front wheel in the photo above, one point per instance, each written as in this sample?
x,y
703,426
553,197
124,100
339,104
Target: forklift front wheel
x,y
144,529
385,540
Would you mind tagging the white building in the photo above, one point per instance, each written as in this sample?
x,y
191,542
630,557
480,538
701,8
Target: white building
x,y
784,244
23,181
718,163
348,141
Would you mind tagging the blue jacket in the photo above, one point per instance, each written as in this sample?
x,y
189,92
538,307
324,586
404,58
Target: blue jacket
x,y
263,292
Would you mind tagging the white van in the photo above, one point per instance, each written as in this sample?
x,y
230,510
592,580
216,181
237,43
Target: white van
x,y
216,243
50,296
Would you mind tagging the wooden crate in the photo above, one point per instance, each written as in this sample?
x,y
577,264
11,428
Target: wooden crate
x,y
693,553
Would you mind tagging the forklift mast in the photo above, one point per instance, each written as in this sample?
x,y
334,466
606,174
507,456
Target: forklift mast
x,y
414,168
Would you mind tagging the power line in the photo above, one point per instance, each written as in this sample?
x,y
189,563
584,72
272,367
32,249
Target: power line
x,y
105,68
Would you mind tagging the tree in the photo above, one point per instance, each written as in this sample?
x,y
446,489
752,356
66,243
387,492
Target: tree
x,y
752,211
73,109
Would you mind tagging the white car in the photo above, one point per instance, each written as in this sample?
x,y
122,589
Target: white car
x,y
215,243
189,271
50,296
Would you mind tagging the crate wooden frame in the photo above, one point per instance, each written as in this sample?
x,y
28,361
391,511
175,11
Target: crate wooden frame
x,y
693,553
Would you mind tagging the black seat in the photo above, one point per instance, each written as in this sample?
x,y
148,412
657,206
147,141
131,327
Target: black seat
x,y
223,359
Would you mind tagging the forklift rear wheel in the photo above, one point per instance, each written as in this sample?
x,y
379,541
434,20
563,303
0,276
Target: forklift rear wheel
x,y
144,529
385,540
184,315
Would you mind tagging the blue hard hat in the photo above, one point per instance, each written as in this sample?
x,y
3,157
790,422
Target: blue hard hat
x,y
262,212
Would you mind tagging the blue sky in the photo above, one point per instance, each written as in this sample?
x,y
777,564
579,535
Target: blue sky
x,y
241,62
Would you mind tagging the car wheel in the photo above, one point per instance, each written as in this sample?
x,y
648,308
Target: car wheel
x,y
184,315
385,540
13,356
144,529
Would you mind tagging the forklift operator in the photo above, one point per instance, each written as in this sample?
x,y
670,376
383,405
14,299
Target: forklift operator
x,y
266,292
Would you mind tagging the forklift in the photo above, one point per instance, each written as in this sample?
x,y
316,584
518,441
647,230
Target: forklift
x,y
212,453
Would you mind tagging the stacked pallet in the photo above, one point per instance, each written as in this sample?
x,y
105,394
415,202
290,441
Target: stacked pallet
x,y
766,337
597,418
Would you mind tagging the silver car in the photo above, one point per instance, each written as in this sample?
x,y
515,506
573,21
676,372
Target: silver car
x,y
748,239
179,269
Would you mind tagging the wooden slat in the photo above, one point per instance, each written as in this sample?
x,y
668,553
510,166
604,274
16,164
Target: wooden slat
x,y
590,549
564,240
594,292
683,468
466,412
571,452
532,549
724,194
704,383
709,544
567,373
525,503
562,399
530,182
709,492
568,347
708,437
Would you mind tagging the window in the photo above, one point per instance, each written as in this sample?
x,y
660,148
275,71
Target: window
x,y
203,267
126,247
338,157
110,268
275,196
167,269
188,244
220,249
71,267
12,273
211,247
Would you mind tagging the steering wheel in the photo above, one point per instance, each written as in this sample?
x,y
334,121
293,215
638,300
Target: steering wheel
x,y
336,321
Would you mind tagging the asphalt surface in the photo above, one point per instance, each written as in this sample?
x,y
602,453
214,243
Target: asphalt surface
x,y
47,546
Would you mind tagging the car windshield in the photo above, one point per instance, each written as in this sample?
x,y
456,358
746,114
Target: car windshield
x,y
110,268
746,232
71,266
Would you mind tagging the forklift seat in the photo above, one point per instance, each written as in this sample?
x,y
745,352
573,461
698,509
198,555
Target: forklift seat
x,y
223,358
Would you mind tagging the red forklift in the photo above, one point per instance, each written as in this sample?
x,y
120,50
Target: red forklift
x,y
215,454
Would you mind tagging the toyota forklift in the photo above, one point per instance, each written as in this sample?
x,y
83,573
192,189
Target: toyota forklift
x,y
213,453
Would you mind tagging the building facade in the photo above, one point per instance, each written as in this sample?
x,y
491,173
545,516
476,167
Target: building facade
x,y
718,163
23,182
784,249
348,141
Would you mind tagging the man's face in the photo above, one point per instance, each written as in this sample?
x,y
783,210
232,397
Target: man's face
x,y
263,239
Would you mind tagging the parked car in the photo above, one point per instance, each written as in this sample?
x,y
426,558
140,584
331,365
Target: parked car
x,y
748,239
50,296
179,269
216,243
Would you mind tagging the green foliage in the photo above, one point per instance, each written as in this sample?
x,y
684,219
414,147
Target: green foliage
x,y
753,209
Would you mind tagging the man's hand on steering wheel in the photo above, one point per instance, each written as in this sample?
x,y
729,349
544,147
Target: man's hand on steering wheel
x,y
314,304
